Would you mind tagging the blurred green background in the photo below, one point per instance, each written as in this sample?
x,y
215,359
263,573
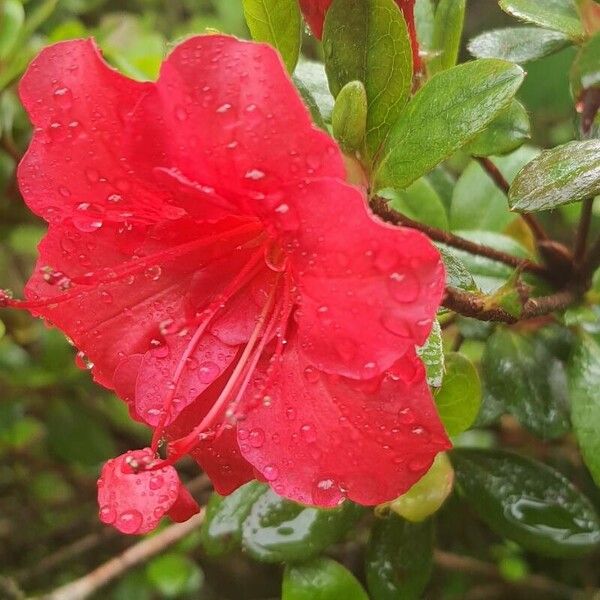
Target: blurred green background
x,y
56,426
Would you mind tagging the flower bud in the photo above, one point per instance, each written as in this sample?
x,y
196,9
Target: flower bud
x,y
349,117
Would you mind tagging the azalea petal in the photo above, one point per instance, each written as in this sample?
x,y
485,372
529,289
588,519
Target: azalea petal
x,y
219,457
314,12
133,499
369,291
319,439
200,363
75,167
225,115
121,301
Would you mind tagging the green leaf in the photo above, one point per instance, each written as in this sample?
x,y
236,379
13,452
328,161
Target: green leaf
x,y
426,496
445,114
507,132
517,44
559,15
349,118
459,399
222,528
447,34
368,41
312,76
310,103
527,502
12,17
174,575
457,274
424,23
520,371
584,383
420,202
321,579
488,274
278,23
432,355
568,173
586,68
278,530
477,203
399,559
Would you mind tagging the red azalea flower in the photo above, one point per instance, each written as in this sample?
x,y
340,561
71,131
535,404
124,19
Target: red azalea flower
x,y
315,10
206,256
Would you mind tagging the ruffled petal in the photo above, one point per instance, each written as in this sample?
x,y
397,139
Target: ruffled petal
x,y
224,116
133,498
369,291
75,167
319,439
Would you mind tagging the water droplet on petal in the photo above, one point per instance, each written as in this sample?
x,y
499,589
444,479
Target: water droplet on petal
x,y
326,492
106,297
153,273
385,260
63,97
256,438
308,433
208,371
311,374
255,174
271,472
107,513
394,320
130,521
224,108
404,287
156,482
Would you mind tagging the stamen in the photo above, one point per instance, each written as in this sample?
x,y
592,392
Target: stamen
x,y
247,272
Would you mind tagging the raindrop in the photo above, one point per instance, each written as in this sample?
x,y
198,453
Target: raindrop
x,y
394,320
153,273
106,297
107,514
308,433
130,521
255,174
311,374
180,113
404,287
63,97
208,371
224,108
156,482
256,438
326,492
271,472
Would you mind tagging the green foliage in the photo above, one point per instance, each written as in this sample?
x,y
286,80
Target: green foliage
x,y
447,33
446,113
276,22
517,44
321,579
349,118
527,502
399,558
368,41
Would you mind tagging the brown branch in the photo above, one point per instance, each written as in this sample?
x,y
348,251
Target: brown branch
x,y
473,566
592,260
583,230
115,567
496,176
474,305
381,208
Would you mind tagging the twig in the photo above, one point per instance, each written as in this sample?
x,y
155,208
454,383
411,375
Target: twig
x,y
137,554
381,208
592,260
583,230
474,305
496,176
473,566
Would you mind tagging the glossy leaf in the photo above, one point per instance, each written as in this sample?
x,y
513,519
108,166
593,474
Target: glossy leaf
x,y
222,528
559,15
568,173
311,75
174,575
278,23
321,579
521,372
507,132
426,497
517,44
446,113
447,34
586,68
399,559
424,23
349,118
432,355
279,530
420,202
12,17
368,41
584,384
459,399
478,203
527,502
457,274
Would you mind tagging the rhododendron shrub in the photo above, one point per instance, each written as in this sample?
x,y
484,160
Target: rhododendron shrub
x,y
327,291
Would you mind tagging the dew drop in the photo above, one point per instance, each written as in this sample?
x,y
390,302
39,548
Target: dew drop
x,y
130,521
255,174
107,514
180,113
419,464
156,482
311,374
385,260
256,438
63,97
224,108
308,433
271,472
326,492
406,416
394,320
106,297
153,273
208,371
403,287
